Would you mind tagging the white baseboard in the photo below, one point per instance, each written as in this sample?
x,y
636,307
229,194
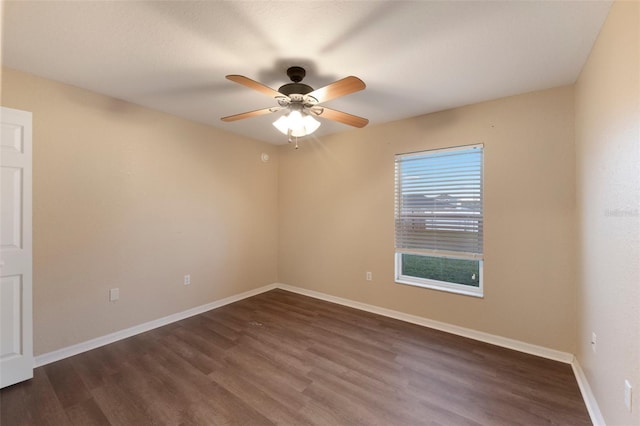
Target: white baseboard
x,y
76,349
504,342
587,394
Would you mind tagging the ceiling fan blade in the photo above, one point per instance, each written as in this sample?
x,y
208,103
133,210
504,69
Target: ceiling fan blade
x,y
252,84
343,117
338,88
250,114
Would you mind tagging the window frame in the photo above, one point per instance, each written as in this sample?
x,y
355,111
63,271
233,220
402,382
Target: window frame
x,y
433,284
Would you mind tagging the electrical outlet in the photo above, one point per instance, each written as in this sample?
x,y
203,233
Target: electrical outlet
x,y
369,276
627,395
187,279
114,294
593,342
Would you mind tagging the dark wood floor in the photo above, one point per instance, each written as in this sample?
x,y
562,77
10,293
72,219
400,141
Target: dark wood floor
x,y
282,358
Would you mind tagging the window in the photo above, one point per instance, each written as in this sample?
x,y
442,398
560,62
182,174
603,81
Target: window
x,y
438,217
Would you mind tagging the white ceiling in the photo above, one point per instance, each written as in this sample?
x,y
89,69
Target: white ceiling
x,y
415,57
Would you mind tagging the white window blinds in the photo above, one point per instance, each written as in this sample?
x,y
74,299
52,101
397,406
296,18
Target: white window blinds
x,y
439,202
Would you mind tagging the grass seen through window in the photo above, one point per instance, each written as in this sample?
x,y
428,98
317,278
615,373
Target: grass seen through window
x,y
460,271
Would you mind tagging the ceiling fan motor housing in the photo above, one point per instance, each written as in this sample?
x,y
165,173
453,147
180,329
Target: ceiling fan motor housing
x,y
296,74
295,88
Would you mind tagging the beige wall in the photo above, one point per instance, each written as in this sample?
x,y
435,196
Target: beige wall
x,y
336,202
132,198
608,185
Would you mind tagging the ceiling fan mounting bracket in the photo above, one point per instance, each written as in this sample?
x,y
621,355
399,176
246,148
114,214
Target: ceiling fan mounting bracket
x,y
296,74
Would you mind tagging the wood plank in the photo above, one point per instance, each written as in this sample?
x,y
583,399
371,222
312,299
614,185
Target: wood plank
x,y
67,383
278,410
87,413
33,402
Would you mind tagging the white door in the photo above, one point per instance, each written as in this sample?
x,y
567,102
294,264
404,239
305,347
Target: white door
x,y
16,329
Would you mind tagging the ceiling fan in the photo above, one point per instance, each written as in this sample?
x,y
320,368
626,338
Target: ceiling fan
x,y
302,103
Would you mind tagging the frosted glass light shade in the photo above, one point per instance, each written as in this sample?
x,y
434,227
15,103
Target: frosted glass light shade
x,y
300,124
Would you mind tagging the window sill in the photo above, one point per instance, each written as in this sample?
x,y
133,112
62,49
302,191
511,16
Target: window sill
x,y
441,286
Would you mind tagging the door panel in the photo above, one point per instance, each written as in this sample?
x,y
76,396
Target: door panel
x,y
16,334
11,208
10,316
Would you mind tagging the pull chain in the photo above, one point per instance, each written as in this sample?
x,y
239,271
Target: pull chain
x,y
290,140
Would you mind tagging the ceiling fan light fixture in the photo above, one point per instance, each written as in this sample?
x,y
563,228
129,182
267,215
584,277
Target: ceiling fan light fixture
x,y
282,124
300,124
